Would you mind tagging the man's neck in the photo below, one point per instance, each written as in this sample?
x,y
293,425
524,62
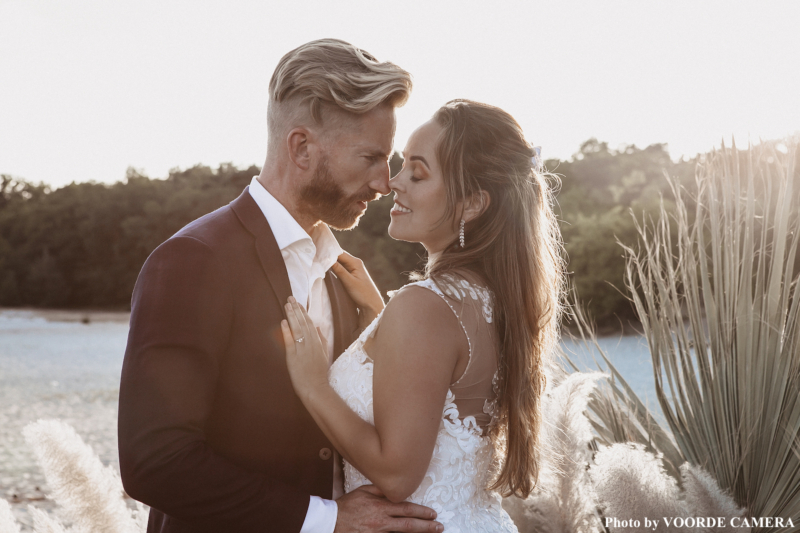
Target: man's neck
x,y
278,187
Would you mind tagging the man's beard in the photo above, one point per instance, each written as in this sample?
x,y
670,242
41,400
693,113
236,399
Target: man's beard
x,y
324,199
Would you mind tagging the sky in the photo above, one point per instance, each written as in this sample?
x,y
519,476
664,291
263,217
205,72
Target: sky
x,y
90,88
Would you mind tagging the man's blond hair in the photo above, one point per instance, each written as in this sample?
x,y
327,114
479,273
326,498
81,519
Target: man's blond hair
x,y
330,74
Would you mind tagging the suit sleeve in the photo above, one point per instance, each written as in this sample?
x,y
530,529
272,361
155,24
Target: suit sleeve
x,y
181,317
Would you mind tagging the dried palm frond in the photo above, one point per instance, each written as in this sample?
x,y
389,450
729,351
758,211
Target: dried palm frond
x,y
617,414
720,311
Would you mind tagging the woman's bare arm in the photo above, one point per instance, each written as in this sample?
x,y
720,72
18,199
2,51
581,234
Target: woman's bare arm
x,y
416,349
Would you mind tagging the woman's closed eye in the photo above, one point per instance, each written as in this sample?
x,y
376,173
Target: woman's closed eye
x,y
414,179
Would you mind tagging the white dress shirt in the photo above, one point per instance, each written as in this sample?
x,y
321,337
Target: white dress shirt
x,y
307,258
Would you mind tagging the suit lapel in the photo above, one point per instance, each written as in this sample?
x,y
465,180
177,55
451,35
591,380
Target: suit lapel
x,y
345,315
267,249
334,286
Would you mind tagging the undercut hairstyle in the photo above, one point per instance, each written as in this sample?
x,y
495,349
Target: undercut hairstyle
x,y
330,79
515,247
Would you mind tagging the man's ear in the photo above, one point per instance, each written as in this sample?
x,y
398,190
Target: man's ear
x,y
297,143
476,205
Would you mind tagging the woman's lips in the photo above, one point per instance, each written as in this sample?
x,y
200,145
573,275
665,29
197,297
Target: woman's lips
x,y
399,209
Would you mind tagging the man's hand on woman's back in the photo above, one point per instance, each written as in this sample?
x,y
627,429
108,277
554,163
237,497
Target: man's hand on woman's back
x,y
366,510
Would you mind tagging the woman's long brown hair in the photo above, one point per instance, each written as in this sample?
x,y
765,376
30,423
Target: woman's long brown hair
x,y
515,247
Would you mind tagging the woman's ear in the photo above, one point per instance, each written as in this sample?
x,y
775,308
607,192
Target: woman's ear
x,y
476,205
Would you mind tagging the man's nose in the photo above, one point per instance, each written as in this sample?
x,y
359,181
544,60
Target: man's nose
x,y
382,183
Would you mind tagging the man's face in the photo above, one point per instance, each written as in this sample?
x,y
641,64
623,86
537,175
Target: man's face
x,y
353,169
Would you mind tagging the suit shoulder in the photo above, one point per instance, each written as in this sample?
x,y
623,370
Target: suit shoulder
x,y
215,229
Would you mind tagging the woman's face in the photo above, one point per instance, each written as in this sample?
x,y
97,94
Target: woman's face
x,y
420,199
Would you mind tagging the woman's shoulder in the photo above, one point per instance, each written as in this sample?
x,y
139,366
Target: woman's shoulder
x,y
422,297
454,284
418,309
458,288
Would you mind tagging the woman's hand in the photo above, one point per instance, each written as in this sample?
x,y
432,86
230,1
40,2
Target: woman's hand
x,y
360,287
306,356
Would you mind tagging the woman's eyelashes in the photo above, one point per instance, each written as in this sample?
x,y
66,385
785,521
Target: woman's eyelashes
x,y
414,179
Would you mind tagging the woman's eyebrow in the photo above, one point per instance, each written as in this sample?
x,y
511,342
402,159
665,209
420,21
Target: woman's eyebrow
x,y
415,158
419,158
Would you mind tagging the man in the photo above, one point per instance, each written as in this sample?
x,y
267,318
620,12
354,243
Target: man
x,y
211,434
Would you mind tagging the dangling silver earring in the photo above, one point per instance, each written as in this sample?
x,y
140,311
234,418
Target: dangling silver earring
x,y
461,233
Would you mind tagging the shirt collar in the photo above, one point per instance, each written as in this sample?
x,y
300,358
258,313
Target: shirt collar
x,y
283,225
325,248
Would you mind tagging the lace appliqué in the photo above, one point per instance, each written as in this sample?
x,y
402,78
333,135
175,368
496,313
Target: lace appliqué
x,y
458,289
490,406
455,483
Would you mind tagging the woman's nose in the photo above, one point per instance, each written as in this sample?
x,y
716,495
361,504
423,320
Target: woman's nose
x,y
394,183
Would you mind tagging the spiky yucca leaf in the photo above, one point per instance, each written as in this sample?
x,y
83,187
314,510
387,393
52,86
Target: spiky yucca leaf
x,y
719,308
618,414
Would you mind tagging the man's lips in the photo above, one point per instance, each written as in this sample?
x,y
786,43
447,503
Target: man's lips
x,y
366,200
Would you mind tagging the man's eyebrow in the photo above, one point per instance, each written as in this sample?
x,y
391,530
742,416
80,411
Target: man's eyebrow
x,y
380,153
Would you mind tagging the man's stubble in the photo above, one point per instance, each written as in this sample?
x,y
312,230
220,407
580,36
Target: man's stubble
x,y
324,199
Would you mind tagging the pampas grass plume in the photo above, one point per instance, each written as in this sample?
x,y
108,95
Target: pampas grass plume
x,y
90,494
703,497
565,500
8,524
631,484
43,523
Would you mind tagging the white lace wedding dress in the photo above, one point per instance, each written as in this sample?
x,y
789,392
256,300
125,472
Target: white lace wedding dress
x,y
455,483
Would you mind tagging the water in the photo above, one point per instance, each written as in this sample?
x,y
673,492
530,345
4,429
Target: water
x,y
54,366
630,356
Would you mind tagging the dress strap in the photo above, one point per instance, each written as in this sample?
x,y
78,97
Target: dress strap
x,y
452,289
432,286
370,330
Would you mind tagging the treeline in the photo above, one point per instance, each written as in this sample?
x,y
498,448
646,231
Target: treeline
x,y
82,245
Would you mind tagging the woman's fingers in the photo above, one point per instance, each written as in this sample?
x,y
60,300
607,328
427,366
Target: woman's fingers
x,y
340,270
302,326
288,339
296,323
308,325
322,338
350,262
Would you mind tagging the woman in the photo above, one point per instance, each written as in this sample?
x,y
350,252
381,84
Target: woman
x,y
437,402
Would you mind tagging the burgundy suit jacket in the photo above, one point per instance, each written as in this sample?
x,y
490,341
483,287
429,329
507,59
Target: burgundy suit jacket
x,y
211,434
